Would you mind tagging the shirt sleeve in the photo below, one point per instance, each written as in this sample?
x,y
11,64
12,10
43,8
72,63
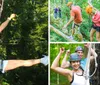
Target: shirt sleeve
x,y
72,13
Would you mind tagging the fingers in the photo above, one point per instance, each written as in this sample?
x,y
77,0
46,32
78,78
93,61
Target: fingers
x,y
62,50
87,45
12,16
68,51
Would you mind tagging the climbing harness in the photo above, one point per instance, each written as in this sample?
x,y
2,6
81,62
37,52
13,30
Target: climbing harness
x,y
1,7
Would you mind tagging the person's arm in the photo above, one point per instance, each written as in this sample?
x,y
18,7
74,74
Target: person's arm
x,y
94,54
65,63
56,68
4,24
92,51
71,19
86,50
89,3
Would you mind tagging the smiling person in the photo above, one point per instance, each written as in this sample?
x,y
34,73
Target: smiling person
x,y
82,54
75,76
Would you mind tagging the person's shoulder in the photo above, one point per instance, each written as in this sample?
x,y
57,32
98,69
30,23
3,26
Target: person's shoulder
x,y
98,12
75,8
78,7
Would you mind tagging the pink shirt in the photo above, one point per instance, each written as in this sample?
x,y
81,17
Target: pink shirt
x,y
96,19
76,12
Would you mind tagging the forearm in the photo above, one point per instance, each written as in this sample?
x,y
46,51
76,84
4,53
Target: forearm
x,y
71,19
65,63
69,22
56,61
85,51
3,25
89,3
93,52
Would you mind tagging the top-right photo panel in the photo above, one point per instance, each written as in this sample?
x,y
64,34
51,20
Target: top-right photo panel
x,y
74,20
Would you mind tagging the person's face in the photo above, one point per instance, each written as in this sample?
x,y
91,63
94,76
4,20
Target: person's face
x,y
75,65
80,53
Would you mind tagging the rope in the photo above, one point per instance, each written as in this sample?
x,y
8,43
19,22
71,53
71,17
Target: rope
x,y
86,71
1,9
96,64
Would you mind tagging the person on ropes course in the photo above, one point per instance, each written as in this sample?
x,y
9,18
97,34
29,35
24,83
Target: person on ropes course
x,y
6,65
76,17
75,76
95,16
80,51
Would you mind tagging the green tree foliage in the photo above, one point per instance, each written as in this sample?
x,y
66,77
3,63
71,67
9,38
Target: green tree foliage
x,y
60,22
26,37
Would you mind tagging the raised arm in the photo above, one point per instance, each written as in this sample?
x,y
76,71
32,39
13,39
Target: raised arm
x,y
56,68
65,63
4,24
94,54
90,4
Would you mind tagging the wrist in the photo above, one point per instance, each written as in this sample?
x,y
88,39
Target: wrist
x,y
9,18
60,54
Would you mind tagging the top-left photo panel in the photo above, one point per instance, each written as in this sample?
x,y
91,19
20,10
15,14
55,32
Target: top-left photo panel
x,y
24,42
74,21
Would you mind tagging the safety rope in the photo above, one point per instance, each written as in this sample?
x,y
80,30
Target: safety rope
x,y
86,71
1,9
96,64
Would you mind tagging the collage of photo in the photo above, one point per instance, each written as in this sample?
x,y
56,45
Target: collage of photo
x,y
74,42
49,42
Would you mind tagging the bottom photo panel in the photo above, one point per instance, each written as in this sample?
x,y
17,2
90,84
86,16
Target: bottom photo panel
x,y
75,64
